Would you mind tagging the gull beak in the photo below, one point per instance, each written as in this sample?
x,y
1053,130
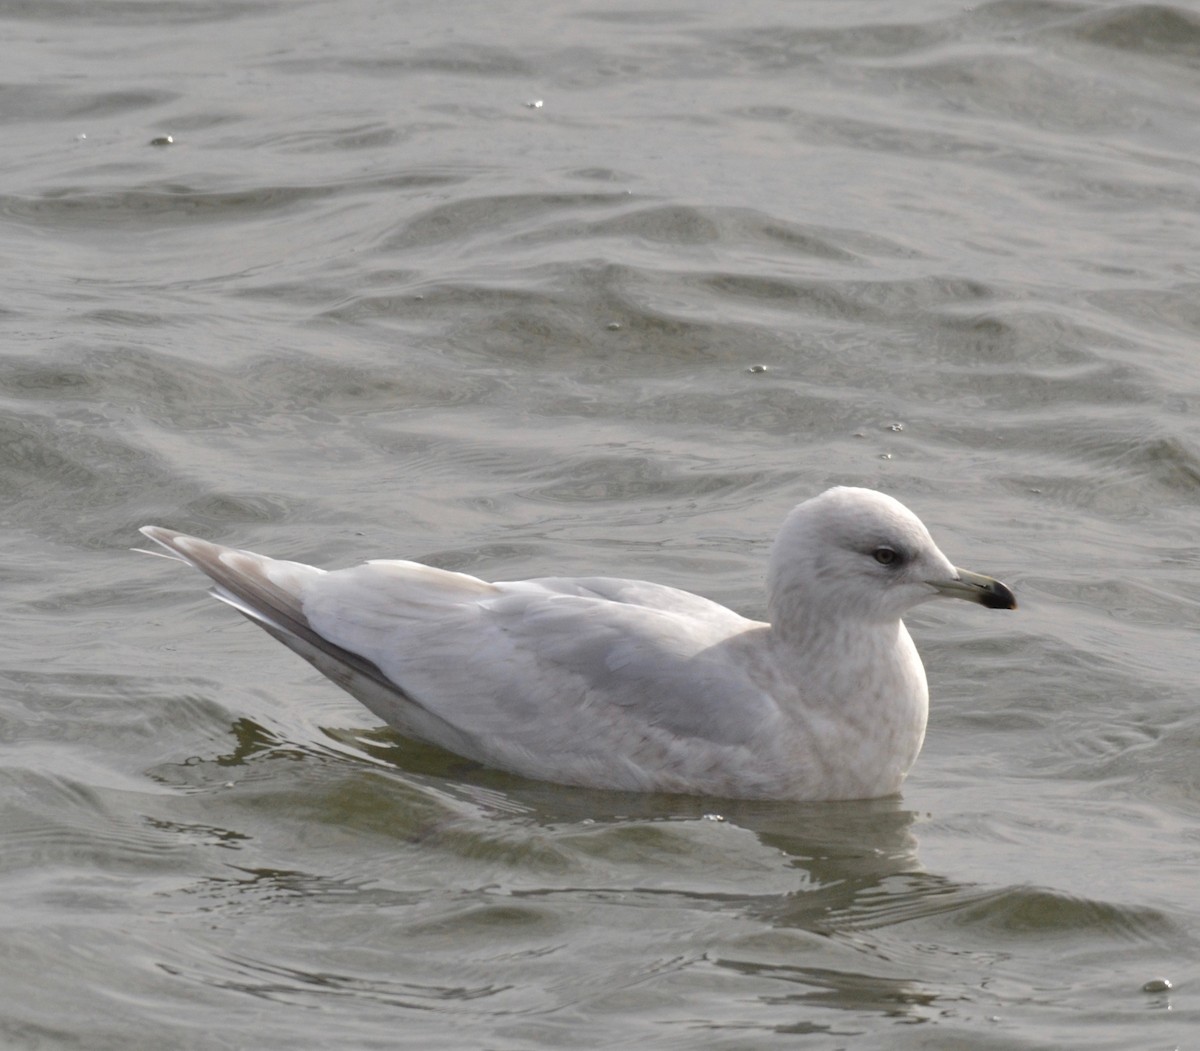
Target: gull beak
x,y
975,587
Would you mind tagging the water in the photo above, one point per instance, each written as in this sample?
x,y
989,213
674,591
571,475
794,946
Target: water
x,y
487,285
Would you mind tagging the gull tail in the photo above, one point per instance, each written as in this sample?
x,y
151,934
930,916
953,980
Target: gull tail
x,y
269,592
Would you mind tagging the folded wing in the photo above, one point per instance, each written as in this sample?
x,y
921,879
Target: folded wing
x,y
553,678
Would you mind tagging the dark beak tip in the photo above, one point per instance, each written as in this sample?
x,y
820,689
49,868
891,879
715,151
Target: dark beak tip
x,y
1000,597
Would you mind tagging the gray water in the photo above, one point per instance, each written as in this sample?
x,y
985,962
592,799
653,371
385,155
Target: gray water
x,y
521,289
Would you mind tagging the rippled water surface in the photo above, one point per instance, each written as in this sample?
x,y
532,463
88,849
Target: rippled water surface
x,y
560,288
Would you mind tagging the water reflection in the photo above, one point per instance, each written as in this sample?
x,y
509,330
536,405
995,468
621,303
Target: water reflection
x,y
548,895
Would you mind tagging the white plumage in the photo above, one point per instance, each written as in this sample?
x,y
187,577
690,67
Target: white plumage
x,y
626,684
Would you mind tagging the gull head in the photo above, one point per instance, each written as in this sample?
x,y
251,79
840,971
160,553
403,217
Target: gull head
x,y
862,555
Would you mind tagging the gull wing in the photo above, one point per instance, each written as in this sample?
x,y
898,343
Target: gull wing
x,y
550,677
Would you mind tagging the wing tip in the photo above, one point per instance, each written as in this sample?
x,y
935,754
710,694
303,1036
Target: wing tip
x,y
164,538
168,538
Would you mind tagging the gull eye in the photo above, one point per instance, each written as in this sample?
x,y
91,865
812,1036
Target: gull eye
x,y
885,556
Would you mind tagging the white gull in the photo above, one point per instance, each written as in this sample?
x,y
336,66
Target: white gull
x,y
625,684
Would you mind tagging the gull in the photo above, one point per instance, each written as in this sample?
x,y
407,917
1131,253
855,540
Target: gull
x,y
629,685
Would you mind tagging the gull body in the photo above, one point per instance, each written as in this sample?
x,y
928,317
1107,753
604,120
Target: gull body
x,y
630,685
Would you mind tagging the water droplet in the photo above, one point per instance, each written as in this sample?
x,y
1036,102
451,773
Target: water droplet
x,y
535,104
163,140
1158,985
757,368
